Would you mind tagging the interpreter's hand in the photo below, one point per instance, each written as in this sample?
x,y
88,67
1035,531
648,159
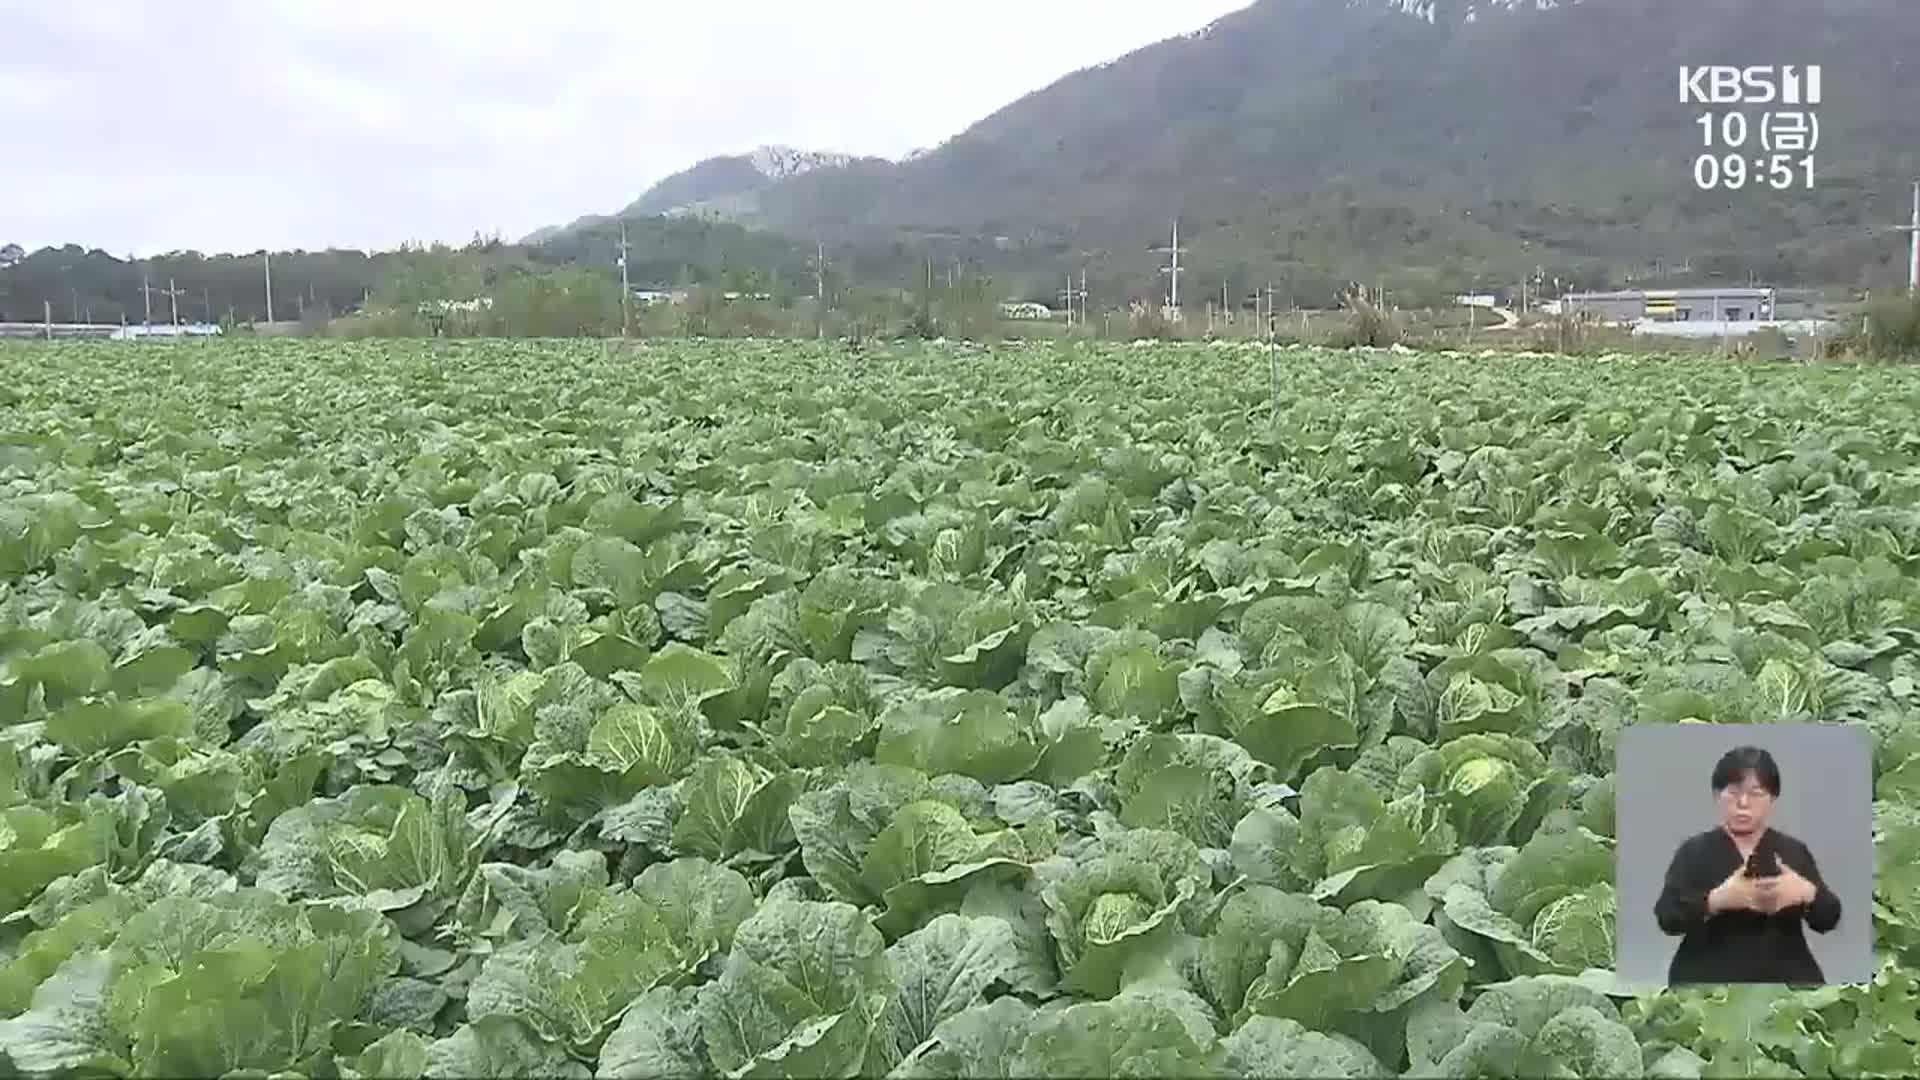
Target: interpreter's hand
x,y
1790,890
1743,892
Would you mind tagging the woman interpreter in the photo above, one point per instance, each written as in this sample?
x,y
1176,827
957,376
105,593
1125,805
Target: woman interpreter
x,y
1739,894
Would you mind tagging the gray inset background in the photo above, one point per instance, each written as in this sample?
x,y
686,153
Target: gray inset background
x,y
1665,794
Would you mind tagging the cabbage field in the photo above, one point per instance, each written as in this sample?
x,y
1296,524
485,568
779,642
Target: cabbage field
x,y
389,709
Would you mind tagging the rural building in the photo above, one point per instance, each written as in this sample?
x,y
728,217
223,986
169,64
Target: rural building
x,y
1139,309
682,296
60,330
106,331
1674,305
662,296
449,307
1792,328
159,330
1025,311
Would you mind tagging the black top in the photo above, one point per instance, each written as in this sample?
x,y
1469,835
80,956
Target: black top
x,y
1741,946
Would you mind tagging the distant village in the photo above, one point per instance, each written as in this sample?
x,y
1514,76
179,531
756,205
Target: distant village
x,y
1713,312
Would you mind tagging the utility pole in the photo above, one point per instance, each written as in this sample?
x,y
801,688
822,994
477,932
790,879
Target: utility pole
x,y
820,291
1912,229
626,288
1913,255
169,291
267,265
1071,294
146,295
1175,250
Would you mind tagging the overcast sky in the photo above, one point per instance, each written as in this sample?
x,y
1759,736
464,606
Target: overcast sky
x,y
144,126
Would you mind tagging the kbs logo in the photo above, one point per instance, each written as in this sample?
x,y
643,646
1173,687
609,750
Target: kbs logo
x,y
1786,84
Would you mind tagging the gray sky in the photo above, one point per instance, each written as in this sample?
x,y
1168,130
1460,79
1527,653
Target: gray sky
x,y
143,126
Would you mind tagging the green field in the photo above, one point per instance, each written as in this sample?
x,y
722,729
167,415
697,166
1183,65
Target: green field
x,y
516,708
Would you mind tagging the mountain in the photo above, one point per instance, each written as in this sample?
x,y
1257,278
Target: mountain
x,y
726,187
1431,143
729,184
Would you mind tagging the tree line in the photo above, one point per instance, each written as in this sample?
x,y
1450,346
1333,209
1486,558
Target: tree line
x,y
98,286
568,281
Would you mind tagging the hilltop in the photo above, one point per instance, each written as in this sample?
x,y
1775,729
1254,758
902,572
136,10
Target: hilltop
x,y
1313,140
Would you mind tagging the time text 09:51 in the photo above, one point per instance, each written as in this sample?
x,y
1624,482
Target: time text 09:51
x,y
1782,160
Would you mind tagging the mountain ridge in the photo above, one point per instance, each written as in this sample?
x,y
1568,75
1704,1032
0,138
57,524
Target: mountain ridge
x,y
727,186
724,186
1340,137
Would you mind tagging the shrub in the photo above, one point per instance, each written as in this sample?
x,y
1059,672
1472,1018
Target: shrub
x,y
1369,323
1569,332
1890,328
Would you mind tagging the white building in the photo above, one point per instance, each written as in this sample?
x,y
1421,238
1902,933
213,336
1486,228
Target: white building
x,y
1700,328
661,296
165,330
448,307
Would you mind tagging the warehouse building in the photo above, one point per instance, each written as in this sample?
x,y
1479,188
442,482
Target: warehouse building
x,y
1675,305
